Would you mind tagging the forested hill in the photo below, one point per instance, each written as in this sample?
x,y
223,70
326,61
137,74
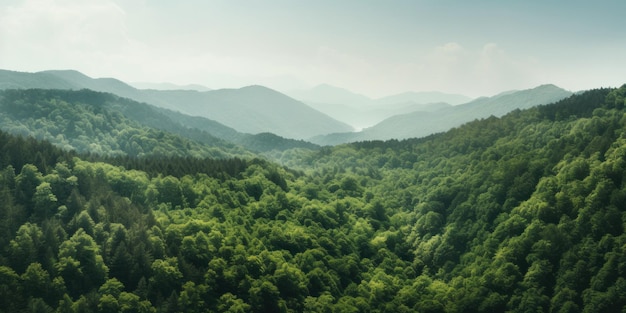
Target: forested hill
x,y
102,123
520,213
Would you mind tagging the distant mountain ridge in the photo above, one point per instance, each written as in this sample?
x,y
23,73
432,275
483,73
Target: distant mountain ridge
x,y
253,109
361,111
230,114
424,97
169,86
422,123
325,93
70,79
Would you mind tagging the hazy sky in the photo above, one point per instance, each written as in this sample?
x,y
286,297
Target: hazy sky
x,y
375,48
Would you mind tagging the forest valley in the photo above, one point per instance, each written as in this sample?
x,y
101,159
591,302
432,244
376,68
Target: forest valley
x,y
524,213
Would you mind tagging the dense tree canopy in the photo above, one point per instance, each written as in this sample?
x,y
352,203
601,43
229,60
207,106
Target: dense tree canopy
x,y
520,213
104,124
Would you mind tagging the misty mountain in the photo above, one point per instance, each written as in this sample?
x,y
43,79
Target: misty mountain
x,y
361,111
70,79
106,124
169,86
422,123
253,109
330,94
363,117
261,142
327,94
423,97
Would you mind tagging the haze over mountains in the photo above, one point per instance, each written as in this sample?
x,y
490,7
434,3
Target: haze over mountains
x,y
253,109
325,115
424,122
361,111
169,86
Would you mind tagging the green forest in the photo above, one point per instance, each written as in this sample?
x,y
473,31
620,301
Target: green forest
x,y
87,121
523,213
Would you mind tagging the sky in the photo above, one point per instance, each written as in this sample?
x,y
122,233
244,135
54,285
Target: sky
x,y
375,48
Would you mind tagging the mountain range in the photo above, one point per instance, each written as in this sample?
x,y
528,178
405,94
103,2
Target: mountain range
x,y
361,111
253,109
322,115
169,86
425,122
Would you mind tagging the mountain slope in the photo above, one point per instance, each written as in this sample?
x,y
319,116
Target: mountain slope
x,y
26,112
366,116
360,111
253,109
101,123
325,93
169,86
261,142
79,81
420,123
330,94
522,213
423,97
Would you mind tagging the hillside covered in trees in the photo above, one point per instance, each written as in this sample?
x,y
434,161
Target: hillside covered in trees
x,y
95,122
251,109
519,213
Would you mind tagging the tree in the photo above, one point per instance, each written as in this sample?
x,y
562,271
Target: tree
x,y
264,296
121,264
10,298
37,305
36,283
291,283
166,277
26,247
26,184
111,287
80,263
45,202
170,191
108,304
131,303
192,297
231,304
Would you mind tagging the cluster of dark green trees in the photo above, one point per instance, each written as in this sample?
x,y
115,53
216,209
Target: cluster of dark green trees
x,y
520,213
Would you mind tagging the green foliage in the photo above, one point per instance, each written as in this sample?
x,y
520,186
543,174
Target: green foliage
x,y
519,213
94,122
